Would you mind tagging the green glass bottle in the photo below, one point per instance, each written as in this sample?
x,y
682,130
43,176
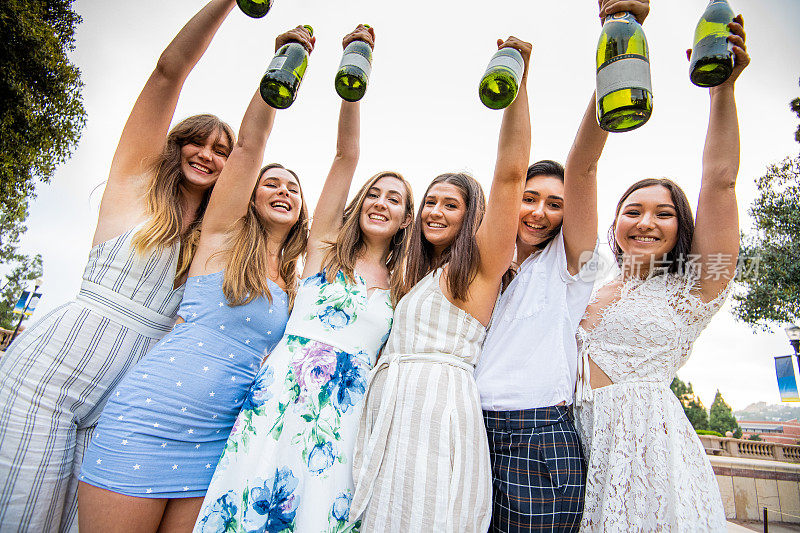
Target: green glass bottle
x,y
254,8
712,54
353,75
624,91
283,76
500,82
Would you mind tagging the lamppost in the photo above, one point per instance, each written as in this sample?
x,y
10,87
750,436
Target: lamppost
x,y
38,283
793,332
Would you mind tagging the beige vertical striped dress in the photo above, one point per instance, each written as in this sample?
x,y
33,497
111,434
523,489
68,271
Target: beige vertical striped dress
x,y
422,459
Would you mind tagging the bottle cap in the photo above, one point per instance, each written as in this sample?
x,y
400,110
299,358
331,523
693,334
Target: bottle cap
x,y
309,28
366,26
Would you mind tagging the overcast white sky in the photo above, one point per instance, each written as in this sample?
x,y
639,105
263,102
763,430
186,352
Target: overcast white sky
x,y
421,116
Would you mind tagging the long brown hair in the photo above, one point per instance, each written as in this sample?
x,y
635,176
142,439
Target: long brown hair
x,y
163,197
245,273
343,253
675,260
463,254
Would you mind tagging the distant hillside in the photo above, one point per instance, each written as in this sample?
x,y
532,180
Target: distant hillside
x,y
768,412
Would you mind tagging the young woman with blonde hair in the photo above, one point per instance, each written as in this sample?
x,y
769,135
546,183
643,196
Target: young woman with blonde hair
x,y
57,375
288,462
165,426
422,459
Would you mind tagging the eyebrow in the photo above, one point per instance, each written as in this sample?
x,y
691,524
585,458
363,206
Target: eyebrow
x,y
635,204
551,196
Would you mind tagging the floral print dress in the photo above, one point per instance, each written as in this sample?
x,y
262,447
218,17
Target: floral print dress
x,y
287,465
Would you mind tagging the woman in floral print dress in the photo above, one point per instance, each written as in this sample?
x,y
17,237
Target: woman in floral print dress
x,y
287,465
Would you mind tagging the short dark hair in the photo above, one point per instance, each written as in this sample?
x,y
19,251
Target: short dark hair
x,y
677,257
546,167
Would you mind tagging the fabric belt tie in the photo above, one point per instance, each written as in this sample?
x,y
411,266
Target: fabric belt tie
x,y
377,438
131,314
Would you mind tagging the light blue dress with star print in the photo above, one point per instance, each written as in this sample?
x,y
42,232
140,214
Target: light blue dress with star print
x,y
166,424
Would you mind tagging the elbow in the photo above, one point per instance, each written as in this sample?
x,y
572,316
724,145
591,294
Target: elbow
x,y
720,177
169,66
348,154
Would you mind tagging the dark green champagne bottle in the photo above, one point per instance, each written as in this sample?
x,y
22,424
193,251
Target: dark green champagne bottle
x,y
500,82
283,76
254,8
624,91
353,75
712,55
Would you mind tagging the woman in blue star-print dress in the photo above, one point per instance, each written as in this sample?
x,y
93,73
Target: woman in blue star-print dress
x,y
164,428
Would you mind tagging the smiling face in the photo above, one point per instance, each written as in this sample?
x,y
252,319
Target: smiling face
x,y
278,198
542,210
442,215
202,160
646,228
384,211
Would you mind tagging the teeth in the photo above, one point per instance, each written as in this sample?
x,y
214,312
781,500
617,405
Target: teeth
x,y
375,216
534,226
436,225
645,239
201,168
281,204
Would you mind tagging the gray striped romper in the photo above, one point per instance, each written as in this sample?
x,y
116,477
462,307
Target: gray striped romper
x,y
56,377
422,459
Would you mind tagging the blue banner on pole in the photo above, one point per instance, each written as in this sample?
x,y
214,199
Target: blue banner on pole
x,y
787,385
23,299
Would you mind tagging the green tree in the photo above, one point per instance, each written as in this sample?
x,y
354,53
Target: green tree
x,y
692,406
754,436
41,118
770,254
721,419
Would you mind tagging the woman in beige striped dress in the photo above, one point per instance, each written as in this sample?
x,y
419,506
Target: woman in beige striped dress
x,y
422,460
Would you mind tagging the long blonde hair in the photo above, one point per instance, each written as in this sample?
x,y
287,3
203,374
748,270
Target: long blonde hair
x,y
245,273
342,254
163,199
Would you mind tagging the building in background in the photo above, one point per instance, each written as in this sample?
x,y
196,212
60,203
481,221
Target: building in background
x,y
787,432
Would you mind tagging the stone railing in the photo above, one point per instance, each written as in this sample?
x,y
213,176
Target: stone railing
x,y
751,449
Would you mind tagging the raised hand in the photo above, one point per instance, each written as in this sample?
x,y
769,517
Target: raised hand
x,y
300,35
361,33
638,8
523,47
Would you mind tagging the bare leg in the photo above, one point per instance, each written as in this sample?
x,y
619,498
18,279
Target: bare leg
x,y
103,511
180,515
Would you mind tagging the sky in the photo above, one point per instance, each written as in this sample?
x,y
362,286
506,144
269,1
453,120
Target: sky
x,y
421,116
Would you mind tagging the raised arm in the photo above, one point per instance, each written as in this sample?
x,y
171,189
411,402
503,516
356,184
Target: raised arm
x,y
327,218
716,234
230,198
580,190
146,129
496,236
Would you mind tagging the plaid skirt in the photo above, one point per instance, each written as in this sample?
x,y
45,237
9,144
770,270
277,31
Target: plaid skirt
x,y
538,470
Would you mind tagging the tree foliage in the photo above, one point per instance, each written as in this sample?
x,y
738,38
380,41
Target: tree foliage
x,y
771,273
692,406
795,105
771,268
41,118
721,419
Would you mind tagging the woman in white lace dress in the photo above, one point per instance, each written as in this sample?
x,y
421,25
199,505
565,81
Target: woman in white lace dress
x,y
647,469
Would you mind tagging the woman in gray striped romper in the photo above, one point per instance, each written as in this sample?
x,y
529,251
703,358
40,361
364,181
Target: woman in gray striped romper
x,y
422,459
55,378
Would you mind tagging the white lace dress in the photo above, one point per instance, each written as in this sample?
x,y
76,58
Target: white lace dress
x,y
647,468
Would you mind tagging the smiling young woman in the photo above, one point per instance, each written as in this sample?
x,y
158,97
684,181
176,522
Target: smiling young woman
x,y
288,462
166,424
57,375
647,469
422,459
